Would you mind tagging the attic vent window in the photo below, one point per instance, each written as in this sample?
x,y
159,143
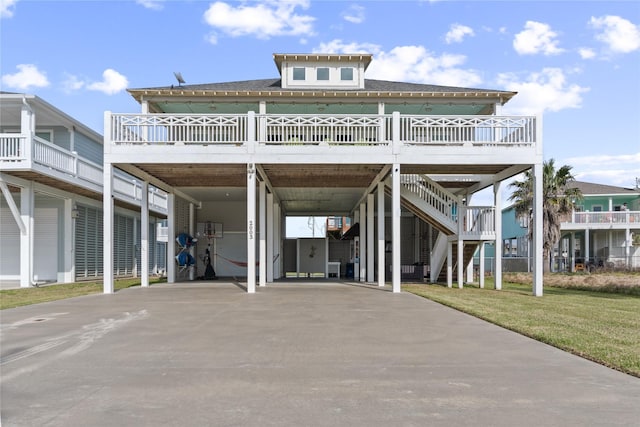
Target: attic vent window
x,y
298,73
322,73
346,73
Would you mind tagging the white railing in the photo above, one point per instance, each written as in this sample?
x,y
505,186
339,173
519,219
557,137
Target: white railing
x,y
615,217
433,194
307,129
50,155
465,130
321,129
12,147
479,220
179,128
44,153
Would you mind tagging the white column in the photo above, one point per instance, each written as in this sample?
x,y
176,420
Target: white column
x,y
538,258
395,226
470,265
356,241
144,235
586,247
462,213
277,240
449,264
572,253
481,266
107,234
27,211
381,233
370,239
263,232
497,202
192,232
171,238
363,242
270,233
460,263
69,263
251,228
627,244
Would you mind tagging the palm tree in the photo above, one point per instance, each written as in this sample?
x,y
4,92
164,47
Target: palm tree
x,y
559,198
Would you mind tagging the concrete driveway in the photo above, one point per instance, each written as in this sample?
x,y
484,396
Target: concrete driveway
x,y
295,354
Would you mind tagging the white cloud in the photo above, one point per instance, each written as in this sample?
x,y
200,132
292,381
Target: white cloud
x,y
263,20
338,46
72,83
409,63
618,34
586,53
151,4
536,37
457,32
355,14
112,83
6,8
619,170
27,77
547,90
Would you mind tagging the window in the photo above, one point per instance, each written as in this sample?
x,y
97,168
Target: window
x,y
322,73
298,73
47,135
346,73
596,208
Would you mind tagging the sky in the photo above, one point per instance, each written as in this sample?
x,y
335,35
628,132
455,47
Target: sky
x,y
575,62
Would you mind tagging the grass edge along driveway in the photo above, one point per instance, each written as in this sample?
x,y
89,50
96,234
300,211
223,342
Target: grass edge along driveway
x,y
10,298
599,326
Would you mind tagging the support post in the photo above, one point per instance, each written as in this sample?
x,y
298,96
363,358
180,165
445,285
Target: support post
x,y
251,228
192,231
460,263
497,201
537,231
27,212
171,238
144,235
381,234
395,221
107,234
449,264
69,263
370,240
270,235
363,242
481,266
262,200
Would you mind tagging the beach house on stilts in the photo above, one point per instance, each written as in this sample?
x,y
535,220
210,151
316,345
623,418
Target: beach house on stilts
x,y
403,160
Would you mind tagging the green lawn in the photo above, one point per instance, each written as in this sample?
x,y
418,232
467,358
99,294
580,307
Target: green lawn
x,y
600,326
24,296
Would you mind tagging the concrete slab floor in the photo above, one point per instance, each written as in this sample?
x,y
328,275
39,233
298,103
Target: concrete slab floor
x,y
292,354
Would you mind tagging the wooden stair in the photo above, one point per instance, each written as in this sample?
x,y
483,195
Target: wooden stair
x,y
467,256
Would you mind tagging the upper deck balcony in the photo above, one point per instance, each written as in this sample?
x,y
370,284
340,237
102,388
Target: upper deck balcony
x,y
30,157
620,220
496,139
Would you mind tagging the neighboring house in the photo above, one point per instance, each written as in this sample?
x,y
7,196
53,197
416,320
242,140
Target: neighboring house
x,y
401,159
603,232
51,206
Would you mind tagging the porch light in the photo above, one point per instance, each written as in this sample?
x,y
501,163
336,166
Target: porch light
x,y
75,213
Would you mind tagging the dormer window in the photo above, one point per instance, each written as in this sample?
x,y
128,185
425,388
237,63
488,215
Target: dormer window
x,y
298,73
322,73
346,74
